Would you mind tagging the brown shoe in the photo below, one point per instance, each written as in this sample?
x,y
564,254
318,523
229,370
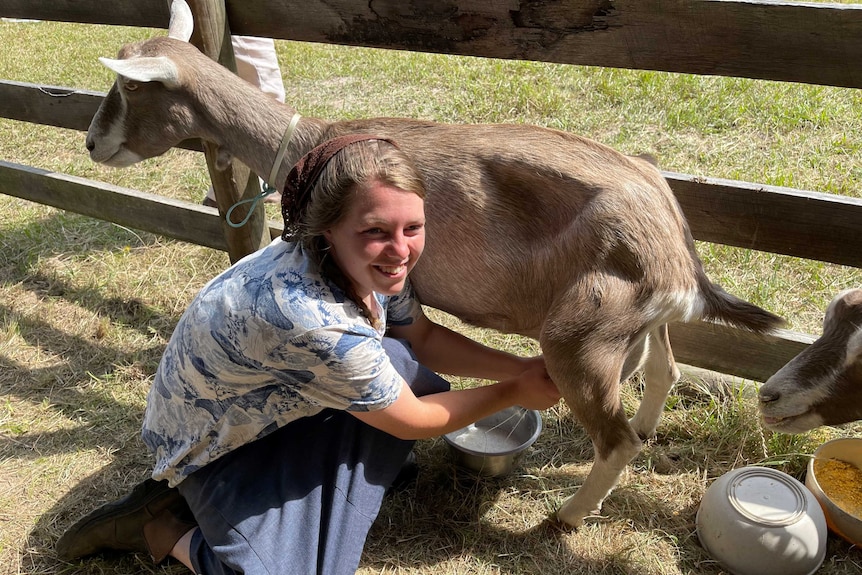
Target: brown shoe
x,y
150,519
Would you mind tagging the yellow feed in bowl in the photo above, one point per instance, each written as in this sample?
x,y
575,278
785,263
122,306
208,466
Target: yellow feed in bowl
x,y
842,482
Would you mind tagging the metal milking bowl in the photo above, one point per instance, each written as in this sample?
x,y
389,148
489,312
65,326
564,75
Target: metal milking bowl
x,y
490,446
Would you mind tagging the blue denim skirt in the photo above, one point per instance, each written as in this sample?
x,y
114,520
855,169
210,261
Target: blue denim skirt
x,y
302,499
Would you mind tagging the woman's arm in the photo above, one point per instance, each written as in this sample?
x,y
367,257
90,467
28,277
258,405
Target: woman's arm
x,y
521,381
445,351
411,417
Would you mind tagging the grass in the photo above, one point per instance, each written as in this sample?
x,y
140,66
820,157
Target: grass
x,y
86,308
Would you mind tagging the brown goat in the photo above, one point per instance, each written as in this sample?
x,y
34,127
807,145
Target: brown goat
x,y
529,230
823,384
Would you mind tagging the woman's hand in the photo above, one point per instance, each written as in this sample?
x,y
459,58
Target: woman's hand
x,y
411,417
536,390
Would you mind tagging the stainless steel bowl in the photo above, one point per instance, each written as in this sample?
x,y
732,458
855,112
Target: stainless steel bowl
x,y
490,446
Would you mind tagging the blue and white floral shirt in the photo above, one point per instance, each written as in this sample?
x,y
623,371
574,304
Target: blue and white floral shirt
x,y
264,343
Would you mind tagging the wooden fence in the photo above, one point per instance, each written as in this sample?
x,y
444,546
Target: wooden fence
x,y
760,39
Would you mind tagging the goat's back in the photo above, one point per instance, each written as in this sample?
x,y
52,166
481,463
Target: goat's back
x,y
518,215
532,211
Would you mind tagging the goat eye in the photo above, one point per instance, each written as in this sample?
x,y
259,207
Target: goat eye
x,y
130,86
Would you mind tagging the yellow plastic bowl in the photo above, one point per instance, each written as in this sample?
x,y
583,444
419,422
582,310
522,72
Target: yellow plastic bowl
x,y
841,521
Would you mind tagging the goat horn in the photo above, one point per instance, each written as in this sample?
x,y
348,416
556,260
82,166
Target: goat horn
x,y
182,22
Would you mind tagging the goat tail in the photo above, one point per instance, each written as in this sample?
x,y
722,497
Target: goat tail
x,y
726,308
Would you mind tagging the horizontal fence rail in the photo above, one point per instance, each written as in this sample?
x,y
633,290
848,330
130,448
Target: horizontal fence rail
x,y
176,219
797,42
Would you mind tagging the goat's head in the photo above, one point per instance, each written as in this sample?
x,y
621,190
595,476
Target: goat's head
x,y
823,384
128,128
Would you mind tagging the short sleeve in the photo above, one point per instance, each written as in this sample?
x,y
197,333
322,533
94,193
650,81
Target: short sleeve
x,y
352,371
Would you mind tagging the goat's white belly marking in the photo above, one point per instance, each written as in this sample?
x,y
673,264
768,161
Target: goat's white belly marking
x,y
666,307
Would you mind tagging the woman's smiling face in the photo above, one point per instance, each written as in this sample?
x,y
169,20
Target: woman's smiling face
x,y
379,240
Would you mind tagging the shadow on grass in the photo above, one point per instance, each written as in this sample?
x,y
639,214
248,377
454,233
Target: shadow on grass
x,y
446,519
74,361
81,379
100,422
453,520
69,235
67,385
108,484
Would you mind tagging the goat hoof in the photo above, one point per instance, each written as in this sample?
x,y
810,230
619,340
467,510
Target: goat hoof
x,y
645,436
573,515
561,526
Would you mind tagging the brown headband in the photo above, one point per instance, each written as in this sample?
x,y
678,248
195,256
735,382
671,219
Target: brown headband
x,y
303,176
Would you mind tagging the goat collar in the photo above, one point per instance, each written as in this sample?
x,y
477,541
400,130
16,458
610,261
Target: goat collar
x,y
285,140
268,186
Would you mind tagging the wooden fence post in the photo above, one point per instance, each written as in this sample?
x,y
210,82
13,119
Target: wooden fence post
x,y
212,36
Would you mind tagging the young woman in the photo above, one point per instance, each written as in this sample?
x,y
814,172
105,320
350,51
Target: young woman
x,y
290,394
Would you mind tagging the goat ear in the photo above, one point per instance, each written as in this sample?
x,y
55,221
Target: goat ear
x,y
182,22
146,69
